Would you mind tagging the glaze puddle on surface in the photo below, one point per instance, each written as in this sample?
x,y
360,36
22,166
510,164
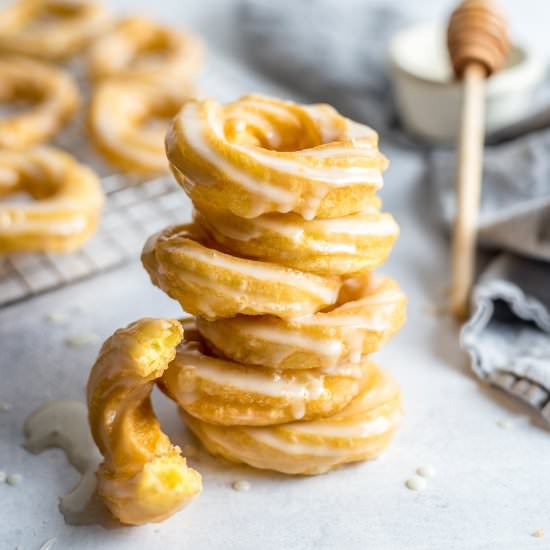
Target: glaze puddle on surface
x,y
64,425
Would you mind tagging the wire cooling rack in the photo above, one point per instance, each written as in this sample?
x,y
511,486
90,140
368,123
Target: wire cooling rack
x,y
133,211
131,214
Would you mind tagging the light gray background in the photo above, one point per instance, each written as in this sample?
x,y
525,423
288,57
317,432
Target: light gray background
x,y
492,488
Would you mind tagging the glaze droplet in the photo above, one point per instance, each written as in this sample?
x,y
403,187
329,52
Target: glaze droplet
x,y
416,483
241,485
14,479
426,471
80,340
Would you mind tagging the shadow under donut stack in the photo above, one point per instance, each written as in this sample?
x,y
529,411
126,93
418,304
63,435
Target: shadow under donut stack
x,y
276,267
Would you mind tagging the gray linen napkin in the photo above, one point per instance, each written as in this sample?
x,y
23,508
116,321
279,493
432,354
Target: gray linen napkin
x,y
508,334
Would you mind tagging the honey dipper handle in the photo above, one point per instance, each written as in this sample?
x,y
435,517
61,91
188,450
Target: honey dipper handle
x,y
469,169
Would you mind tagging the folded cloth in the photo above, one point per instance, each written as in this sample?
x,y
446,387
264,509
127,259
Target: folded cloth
x,y
336,52
515,201
508,335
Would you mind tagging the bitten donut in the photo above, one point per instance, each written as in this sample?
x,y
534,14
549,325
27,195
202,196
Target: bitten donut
x,y
143,477
335,246
369,310
140,49
47,97
360,431
259,155
212,284
66,207
223,392
127,123
50,29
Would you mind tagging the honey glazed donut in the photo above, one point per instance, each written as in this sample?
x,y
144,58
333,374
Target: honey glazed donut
x,y
221,391
141,50
259,155
143,476
359,431
210,283
369,310
336,246
127,122
67,201
48,97
50,29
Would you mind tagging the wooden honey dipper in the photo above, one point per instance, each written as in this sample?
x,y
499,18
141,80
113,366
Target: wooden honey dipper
x,y
477,39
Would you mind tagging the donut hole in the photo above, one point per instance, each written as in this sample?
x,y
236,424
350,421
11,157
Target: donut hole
x,y
352,289
52,13
30,190
28,183
157,117
18,197
18,98
154,49
281,130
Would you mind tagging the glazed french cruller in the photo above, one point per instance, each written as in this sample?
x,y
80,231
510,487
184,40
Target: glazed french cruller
x,y
276,267
144,72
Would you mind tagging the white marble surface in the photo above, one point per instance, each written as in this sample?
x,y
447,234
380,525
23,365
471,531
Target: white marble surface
x,y
492,488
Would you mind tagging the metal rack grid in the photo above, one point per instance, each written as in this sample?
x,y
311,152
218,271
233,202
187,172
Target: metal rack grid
x,y
133,210
132,213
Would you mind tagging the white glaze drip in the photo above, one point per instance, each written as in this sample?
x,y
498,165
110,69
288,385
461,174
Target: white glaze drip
x,y
264,272
254,380
64,424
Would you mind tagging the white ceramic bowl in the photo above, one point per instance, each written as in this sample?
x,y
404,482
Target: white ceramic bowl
x,y
428,99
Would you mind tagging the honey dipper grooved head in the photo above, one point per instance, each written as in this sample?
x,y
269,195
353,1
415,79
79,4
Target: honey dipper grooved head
x,y
477,33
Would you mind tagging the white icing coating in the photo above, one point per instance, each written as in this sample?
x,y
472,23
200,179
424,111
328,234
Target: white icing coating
x,y
68,227
331,235
193,132
359,225
352,370
262,271
269,437
204,133
369,322
254,380
333,176
293,338
337,429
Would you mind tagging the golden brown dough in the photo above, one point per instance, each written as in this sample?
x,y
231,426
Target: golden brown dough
x,y
67,201
143,477
50,29
138,49
48,97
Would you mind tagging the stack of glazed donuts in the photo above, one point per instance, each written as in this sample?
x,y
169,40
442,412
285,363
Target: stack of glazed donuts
x,y
274,368
140,74
276,268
